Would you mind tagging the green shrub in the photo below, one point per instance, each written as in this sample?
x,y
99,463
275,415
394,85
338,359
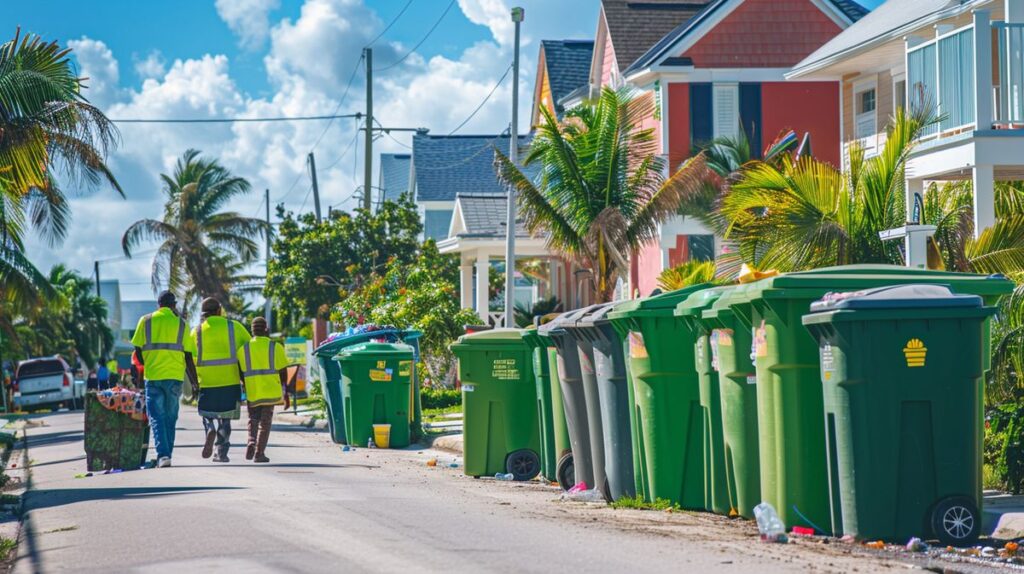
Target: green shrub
x,y
439,398
1004,446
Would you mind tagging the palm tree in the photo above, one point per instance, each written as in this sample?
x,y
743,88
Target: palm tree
x,y
48,130
198,242
82,315
601,192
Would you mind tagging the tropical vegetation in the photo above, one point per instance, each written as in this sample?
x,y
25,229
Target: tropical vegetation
x,y
201,246
600,191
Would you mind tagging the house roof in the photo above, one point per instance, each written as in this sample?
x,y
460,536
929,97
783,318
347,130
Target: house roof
x,y
568,66
394,174
849,8
635,26
485,215
446,166
887,22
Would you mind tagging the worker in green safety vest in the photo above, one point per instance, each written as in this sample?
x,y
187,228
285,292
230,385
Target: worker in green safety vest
x,y
164,345
263,375
218,340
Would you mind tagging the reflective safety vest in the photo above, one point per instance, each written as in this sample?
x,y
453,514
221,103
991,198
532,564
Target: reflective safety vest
x,y
261,362
217,342
163,338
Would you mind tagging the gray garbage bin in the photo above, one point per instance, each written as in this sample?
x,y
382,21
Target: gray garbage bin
x,y
574,399
591,396
613,392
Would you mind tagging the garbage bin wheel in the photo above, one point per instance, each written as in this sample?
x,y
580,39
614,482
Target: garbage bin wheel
x,y
330,426
566,472
955,521
523,464
606,490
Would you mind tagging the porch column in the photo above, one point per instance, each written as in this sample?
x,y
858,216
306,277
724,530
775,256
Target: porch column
x,y
983,70
914,188
466,285
984,198
483,270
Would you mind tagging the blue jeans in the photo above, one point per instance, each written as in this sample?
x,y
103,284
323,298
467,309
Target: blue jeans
x,y
162,401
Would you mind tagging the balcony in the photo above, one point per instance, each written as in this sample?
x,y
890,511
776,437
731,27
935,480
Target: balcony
x,y
970,87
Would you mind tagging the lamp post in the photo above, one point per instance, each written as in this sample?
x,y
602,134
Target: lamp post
x,y
513,155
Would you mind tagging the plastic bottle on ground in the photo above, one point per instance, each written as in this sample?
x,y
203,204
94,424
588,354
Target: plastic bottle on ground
x,y
504,476
769,524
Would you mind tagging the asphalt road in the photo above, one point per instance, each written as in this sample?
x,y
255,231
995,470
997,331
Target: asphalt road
x,y
318,509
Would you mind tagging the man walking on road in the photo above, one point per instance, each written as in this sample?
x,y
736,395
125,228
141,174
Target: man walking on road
x,y
218,340
263,375
164,345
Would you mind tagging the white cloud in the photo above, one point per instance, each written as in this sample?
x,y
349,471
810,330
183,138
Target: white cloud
x,y
495,14
248,19
152,66
96,63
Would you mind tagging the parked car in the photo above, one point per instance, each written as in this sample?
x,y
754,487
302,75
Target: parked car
x,y
47,382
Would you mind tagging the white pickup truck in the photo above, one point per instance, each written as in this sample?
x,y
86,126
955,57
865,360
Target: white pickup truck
x,y
47,382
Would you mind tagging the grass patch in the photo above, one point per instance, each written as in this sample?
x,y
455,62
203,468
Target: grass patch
x,y
989,478
638,503
7,545
438,413
9,499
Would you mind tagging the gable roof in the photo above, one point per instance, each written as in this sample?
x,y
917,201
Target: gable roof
x,y
568,66
850,9
889,21
445,166
483,215
635,26
394,174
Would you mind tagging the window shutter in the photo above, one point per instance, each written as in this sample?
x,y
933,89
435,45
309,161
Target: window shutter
x,y
701,128
750,116
726,110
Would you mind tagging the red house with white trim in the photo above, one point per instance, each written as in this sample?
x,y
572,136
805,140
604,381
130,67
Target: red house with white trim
x,y
717,67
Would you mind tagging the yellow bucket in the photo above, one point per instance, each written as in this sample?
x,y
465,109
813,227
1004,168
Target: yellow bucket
x,y
382,436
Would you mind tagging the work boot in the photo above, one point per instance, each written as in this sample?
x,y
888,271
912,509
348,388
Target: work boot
x,y
220,458
211,436
250,451
260,457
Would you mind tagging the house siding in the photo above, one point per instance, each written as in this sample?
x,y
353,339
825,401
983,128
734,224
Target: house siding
x,y
805,107
607,61
764,34
679,123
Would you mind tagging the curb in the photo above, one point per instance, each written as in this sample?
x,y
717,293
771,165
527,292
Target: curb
x,y
450,443
307,421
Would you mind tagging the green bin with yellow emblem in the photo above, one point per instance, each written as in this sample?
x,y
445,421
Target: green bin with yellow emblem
x,y
375,379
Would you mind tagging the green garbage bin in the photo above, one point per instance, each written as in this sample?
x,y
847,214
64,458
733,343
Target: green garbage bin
x,y
729,321
499,401
565,469
545,415
666,393
790,400
375,379
903,372
716,490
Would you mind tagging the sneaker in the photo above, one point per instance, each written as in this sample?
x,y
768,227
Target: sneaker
x,y
163,462
211,436
250,451
262,458
220,458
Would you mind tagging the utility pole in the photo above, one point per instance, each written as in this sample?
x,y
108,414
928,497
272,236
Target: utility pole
x,y
96,269
513,155
316,190
368,148
266,303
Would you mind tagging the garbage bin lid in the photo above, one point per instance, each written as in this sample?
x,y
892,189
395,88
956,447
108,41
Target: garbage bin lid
x,y
598,316
567,319
375,349
493,337
331,347
854,277
697,302
913,296
665,302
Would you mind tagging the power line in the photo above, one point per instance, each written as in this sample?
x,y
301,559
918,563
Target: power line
x,y
330,117
341,101
392,23
422,40
344,153
489,94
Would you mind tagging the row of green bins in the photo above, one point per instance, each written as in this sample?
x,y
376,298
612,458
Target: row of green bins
x,y
499,400
574,400
795,473
595,330
331,373
903,370
668,421
716,491
376,380
730,341
565,470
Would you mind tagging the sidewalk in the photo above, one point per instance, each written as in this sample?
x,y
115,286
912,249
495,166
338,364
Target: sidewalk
x,y
304,416
1003,515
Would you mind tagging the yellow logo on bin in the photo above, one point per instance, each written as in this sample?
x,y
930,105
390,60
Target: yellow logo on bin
x,y
915,352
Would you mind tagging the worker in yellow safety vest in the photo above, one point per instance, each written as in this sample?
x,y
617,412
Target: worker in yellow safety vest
x,y
164,345
263,375
218,340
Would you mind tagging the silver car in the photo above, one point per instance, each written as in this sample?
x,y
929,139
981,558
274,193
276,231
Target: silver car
x,y
47,382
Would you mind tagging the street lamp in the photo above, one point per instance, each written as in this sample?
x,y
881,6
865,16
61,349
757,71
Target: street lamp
x,y
513,155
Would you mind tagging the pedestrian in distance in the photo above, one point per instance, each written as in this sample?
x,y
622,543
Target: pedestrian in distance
x,y
165,348
265,381
218,340
103,375
92,381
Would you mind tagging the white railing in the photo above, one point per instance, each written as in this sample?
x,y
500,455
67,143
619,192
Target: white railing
x,y
496,319
941,74
1009,97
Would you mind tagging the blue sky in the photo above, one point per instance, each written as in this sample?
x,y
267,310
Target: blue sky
x,y
261,58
